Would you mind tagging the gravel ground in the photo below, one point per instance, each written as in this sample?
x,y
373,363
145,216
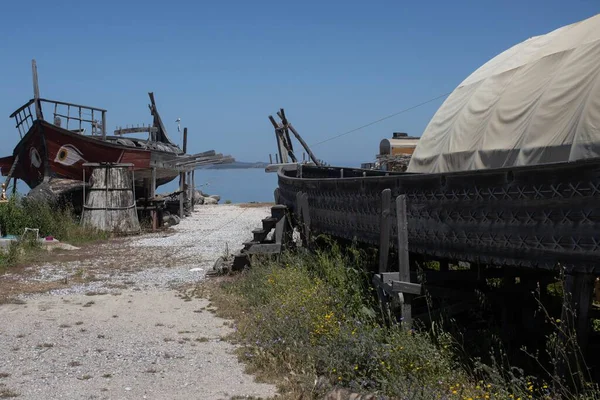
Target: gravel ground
x,y
112,323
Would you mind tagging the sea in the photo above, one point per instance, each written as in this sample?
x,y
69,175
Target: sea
x,y
235,185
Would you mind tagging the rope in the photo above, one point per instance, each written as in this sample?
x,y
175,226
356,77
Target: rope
x,y
381,119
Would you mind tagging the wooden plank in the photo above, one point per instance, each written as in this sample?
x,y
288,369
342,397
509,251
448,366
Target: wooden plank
x,y
581,289
184,140
181,183
36,91
403,260
193,188
279,230
384,233
406,288
269,248
390,276
153,184
306,218
402,221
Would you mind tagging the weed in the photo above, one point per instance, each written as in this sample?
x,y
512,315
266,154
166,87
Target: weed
x,y
57,221
202,339
89,304
7,393
85,377
74,364
313,315
107,376
44,346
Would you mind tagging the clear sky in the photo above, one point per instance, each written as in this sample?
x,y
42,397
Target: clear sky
x,y
224,66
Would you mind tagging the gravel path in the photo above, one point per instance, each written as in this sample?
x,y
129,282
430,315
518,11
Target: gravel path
x,y
114,324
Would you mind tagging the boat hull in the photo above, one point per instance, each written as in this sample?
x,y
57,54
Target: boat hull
x,y
535,216
48,151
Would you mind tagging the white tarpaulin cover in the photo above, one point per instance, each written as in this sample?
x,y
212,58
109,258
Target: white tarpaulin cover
x,y
537,102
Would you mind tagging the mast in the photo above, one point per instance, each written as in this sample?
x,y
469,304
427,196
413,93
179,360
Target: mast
x,y
36,92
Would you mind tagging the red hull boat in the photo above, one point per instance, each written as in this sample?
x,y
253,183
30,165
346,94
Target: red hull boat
x,y
53,152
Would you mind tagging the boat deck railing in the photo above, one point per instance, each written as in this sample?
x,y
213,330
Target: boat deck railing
x,y
77,118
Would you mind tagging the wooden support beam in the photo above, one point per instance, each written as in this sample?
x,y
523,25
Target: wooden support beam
x,y
384,229
193,188
181,186
184,140
575,313
36,92
304,216
153,184
403,259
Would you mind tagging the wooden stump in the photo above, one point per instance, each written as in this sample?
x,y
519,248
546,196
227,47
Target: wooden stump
x,y
110,203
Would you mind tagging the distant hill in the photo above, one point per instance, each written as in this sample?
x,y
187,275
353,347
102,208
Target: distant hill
x,y
237,165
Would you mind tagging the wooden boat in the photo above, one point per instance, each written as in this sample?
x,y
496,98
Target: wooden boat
x,y
57,150
51,151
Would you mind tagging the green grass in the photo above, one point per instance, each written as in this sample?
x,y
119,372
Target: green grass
x,y
61,223
312,318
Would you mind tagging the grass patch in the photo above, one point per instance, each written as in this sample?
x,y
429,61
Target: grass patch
x,y
7,393
312,318
56,221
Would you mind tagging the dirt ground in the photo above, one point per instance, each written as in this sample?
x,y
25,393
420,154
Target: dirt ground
x,y
111,320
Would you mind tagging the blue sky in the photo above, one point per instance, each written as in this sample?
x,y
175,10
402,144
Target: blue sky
x,y
224,66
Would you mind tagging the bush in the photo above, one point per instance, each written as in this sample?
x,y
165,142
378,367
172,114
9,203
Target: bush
x,y
59,222
310,317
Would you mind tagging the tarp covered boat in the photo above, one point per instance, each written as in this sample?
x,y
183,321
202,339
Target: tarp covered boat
x,y
536,103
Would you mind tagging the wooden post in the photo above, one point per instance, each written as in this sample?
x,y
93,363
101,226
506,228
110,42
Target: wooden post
x,y
193,187
14,190
342,173
384,230
270,159
36,92
103,125
403,259
580,288
181,185
185,140
276,159
303,143
153,184
444,266
304,217
152,195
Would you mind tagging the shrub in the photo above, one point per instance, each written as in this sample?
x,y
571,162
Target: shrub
x,y
309,317
60,222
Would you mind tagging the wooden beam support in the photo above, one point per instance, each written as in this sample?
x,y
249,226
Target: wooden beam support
x,y
403,259
384,229
181,186
185,140
193,188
